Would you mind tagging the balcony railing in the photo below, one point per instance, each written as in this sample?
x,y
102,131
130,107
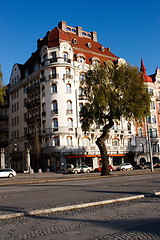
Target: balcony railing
x,y
55,60
68,76
69,111
33,87
52,76
54,111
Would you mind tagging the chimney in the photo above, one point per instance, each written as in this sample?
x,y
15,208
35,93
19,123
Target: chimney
x,y
63,25
79,31
38,43
94,36
109,49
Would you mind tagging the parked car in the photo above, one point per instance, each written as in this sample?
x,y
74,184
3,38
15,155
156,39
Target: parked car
x,y
99,169
146,165
80,169
125,166
7,172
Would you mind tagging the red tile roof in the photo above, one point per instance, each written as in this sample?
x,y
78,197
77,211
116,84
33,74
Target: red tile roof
x,y
57,36
145,76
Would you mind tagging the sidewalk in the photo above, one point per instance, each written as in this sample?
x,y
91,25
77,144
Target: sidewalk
x,y
30,178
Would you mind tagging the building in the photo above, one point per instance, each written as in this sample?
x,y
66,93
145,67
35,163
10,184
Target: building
x,y
151,126
45,100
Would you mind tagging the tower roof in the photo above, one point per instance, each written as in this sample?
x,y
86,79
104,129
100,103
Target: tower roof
x,y
145,76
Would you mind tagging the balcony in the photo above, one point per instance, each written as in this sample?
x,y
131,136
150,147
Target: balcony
x,y
69,111
47,62
68,76
33,87
81,96
54,111
53,76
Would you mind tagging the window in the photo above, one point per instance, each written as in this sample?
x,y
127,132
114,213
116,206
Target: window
x,y
154,132
80,106
65,55
43,124
140,134
43,107
149,119
68,72
129,126
70,124
95,63
82,76
81,59
25,131
68,88
152,104
55,106
116,126
154,119
141,147
56,141
69,141
69,105
36,67
115,142
151,91
55,123
86,142
54,88
43,91
54,55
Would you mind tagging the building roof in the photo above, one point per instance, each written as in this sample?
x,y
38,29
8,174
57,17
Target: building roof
x,y
80,45
145,76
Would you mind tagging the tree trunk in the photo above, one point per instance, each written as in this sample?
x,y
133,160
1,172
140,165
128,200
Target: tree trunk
x,y
102,147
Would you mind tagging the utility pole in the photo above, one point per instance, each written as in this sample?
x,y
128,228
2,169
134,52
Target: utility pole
x,y
150,148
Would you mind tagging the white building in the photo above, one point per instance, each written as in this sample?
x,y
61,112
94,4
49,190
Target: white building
x,y
45,101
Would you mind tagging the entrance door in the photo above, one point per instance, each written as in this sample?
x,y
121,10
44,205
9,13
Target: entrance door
x,y
58,164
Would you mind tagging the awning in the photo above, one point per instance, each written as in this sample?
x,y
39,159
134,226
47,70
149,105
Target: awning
x,y
87,156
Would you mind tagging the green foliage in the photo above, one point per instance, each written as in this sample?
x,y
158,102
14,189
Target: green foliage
x,y
113,91
2,89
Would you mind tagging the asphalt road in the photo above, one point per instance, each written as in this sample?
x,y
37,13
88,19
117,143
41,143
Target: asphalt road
x,y
122,220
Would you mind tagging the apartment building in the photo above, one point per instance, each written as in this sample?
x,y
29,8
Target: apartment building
x,y
45,100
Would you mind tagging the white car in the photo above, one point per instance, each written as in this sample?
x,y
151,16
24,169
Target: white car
x,y
125,166
7,172
80,169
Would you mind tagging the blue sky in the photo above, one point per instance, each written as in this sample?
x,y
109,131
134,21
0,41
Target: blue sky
x,y
130,28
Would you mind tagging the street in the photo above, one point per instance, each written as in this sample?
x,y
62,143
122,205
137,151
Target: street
x,y
121,220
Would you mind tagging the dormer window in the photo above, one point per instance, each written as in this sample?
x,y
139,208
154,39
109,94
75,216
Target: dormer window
x,y
102,48
74,41
89,45
81,59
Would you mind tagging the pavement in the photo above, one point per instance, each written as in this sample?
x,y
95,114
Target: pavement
x,y
48,177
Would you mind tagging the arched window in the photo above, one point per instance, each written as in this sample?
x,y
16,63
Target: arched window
x,y
129,126
43,91
54,88
81,59
43,108
80,106
115,142
68,72
55,123
68,88
70,124
55,107
86,142
56,141
140,132
69,141
141,147
65,55
43,124
69,107
82,76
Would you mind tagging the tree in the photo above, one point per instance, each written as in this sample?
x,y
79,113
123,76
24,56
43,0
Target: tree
x,y
113,91
2,89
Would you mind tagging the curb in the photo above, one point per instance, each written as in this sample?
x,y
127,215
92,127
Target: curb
x,y
76,206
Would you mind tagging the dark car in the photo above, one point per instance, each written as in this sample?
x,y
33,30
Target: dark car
x,y
146,165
